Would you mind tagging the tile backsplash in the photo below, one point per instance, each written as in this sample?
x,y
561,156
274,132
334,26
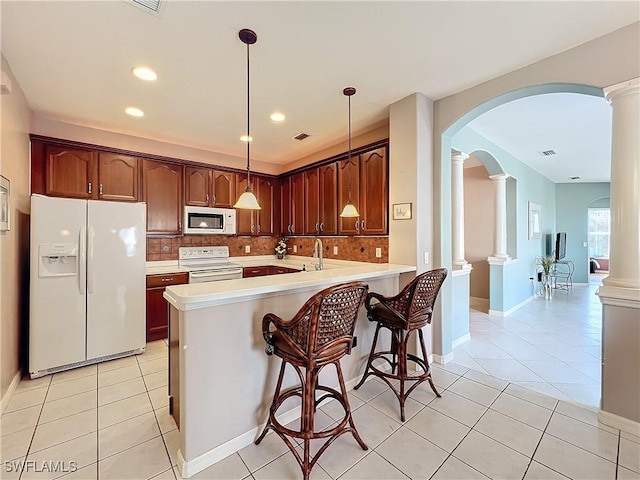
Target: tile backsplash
x,y
361,249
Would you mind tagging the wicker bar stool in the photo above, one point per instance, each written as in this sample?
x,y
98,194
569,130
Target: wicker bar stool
x,y
402,314
320,334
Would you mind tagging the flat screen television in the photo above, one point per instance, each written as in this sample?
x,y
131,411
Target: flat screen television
x,y
561,246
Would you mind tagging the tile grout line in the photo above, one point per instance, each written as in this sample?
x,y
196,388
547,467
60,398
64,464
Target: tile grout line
x,y
539,442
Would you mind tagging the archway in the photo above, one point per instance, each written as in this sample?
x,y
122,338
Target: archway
x,y
517,275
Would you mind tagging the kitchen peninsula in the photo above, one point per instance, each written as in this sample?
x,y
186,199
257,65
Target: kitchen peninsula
x,y
221,381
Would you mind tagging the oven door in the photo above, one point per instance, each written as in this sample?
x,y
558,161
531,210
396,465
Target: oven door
x,y
201,276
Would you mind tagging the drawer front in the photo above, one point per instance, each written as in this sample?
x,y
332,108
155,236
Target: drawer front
x,y
255,271
167,279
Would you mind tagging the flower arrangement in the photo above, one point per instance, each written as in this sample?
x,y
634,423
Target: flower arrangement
x,y
281,248
546,263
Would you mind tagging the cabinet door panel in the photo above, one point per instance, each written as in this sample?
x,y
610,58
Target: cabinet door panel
x,y
197,186
349,170
328,200
245,223
297,204
157,314
118,177
311,201
224,189
373,192
162,191
285,206
70,172
266,199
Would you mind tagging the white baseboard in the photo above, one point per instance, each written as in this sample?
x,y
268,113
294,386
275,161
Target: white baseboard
x,y
506,313
7,396
442,359
463,339
191,467
619,422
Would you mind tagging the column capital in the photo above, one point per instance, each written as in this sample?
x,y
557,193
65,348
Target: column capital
x,y
630,87
457,156
499,176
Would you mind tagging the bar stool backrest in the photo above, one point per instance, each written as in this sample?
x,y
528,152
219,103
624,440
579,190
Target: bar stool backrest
x,y
417,299
326,322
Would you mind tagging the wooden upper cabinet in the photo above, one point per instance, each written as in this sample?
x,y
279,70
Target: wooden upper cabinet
x,y
327,208
197,186
266,198
117,177
257,222
374,197
245,223
70,172
311,201
162,191
224,189
349,171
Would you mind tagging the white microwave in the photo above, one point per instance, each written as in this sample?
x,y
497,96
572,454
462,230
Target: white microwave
x,y
209,221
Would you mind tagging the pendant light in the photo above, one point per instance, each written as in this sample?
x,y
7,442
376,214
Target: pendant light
x,y
349,210
248,200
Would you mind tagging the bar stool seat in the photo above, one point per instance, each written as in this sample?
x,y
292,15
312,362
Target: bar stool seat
x,y
319,334
403,314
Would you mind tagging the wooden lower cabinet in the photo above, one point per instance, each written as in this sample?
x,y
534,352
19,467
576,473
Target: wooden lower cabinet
x,y
263,270
157,307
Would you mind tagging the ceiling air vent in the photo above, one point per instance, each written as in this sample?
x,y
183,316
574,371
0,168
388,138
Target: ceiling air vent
x,y
152,6
300,136
548,153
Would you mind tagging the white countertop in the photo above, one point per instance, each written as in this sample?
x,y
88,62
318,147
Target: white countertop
x,y
203,295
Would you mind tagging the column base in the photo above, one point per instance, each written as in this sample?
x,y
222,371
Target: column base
x,y
461,266
499,259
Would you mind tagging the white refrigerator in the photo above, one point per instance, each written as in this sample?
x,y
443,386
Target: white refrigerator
x,y
87,282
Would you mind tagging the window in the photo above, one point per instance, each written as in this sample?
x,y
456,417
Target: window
x,y
599,232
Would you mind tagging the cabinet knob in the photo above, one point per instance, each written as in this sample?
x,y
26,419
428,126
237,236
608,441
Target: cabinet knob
x,y
100,189
357,225
317,228
321,226
252,228
89,188
362,224
214,199
180,226
206,198
258,228
170,279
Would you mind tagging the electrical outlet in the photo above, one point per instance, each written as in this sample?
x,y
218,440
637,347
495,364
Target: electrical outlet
x,y
247,249
426,258
378,252
165,249
335,250
295,249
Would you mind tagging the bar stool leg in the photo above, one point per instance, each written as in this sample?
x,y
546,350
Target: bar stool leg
x,y
371,354
348,407
426,362
276,396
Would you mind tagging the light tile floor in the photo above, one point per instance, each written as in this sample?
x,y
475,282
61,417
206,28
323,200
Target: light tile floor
x,y
112,420
550,346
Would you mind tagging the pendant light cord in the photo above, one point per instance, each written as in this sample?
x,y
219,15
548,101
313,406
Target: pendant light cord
x,y
248,129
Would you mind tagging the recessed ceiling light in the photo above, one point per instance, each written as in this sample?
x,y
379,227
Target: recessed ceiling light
x,y
277,117
246,138
134,112
144,73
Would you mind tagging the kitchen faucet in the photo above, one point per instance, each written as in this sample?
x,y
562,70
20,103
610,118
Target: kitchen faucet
x,y
317,252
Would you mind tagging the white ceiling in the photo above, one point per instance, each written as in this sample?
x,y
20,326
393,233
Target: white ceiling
x,y
577,127
73,61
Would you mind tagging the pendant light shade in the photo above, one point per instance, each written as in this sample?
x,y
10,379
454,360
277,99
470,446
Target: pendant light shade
x,y
349,210
248,200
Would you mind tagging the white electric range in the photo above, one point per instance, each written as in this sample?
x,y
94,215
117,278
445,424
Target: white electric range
x,y
208,264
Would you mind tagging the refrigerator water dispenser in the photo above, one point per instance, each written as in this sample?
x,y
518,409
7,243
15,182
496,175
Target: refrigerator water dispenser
x,y
57,259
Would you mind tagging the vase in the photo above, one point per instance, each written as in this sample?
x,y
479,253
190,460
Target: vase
x,y
547,290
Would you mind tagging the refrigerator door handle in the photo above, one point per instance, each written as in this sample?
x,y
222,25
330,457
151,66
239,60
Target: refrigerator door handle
x,y
82,267
90,260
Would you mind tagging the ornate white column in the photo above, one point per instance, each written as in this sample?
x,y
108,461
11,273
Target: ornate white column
x,y
620,293
457,206
500,233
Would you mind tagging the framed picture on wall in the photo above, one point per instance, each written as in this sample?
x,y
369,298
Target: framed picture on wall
x,y
4,204
535,221
401,211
